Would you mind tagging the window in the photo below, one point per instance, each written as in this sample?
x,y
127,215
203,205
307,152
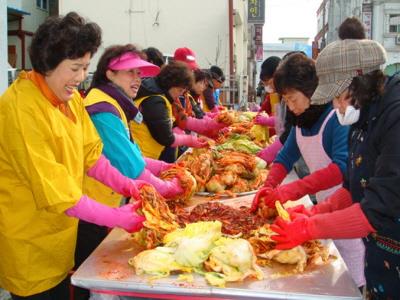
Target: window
x,y
394,23
42,4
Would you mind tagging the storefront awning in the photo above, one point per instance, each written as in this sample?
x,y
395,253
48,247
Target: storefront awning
x,y
15,13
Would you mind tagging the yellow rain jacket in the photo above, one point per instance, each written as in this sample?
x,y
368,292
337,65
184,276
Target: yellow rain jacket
x,y
43,156
91,187
141,133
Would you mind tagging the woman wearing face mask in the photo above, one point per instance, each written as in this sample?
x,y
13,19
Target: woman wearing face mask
x,y
268,69
48,144
154,101
368,204
279,119
316,136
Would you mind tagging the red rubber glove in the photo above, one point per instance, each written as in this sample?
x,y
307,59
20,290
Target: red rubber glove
x,y
260,197
299,211
340,199
269,196
275,176
347,223
291,234
320,180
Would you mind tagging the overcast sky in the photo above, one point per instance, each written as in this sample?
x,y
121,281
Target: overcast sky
x,y
290,18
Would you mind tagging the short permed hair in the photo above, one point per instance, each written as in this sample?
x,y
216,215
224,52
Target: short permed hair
x,y
296,72
351,28
200,74
175,74
99,76
268,67
154,56
60,38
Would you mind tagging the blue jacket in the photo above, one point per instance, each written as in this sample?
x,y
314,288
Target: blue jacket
x,y
123,153
118,148
334,140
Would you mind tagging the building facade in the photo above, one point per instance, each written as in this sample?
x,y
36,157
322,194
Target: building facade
x,y
23,18
204,26
380,17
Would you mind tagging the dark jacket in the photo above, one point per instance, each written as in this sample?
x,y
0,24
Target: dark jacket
x,y
208,95
198,112
374,161
154,111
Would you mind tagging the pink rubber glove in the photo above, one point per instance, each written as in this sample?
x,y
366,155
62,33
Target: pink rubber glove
x,y
212,115
104,172
215,109
156,166
94,212
189,141
177,130
167,188
203,126
264,120
347,223
269,153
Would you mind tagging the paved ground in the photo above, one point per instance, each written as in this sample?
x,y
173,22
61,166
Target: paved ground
x,y
4,295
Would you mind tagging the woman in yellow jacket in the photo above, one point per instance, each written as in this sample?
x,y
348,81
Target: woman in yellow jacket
x,y
47,144
154,100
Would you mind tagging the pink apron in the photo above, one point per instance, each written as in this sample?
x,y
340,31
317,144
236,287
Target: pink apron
x,y
313,152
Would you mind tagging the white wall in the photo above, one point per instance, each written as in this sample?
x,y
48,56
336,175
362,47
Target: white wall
x,y
29,23
3,46
199,25
240,37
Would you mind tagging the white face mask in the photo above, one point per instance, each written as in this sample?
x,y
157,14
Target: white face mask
x,y
268,89
351,116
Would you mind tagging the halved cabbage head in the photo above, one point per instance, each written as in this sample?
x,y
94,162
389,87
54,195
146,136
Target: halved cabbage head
x,y
159,262
235,259
193,243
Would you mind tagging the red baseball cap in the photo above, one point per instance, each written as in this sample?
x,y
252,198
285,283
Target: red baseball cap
x,y
187,56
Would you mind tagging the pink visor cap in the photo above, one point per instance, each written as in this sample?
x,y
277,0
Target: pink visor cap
x,y
131,60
